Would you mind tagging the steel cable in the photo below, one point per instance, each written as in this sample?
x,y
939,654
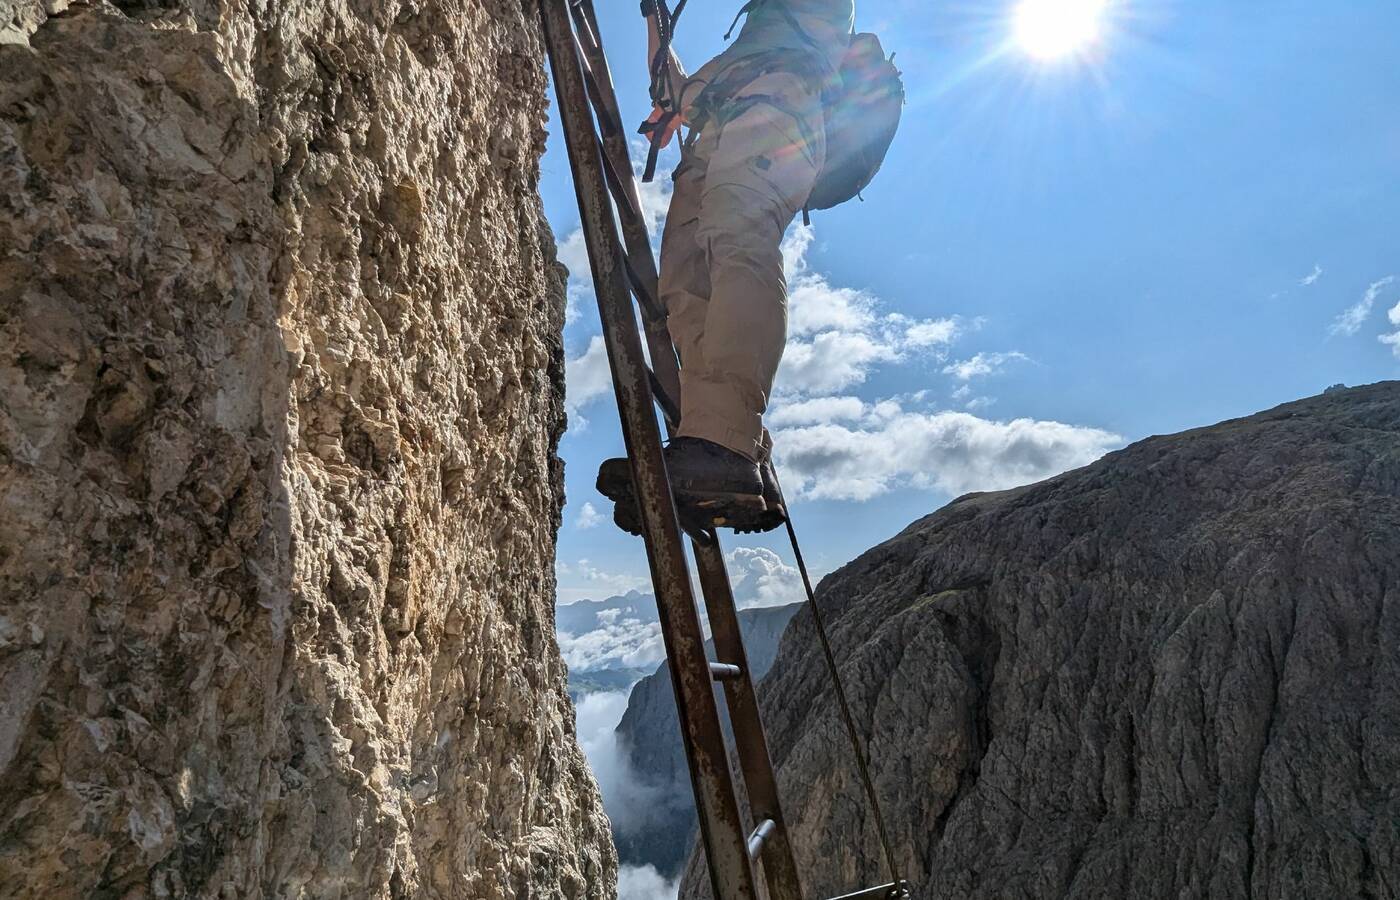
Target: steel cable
x,y
861,763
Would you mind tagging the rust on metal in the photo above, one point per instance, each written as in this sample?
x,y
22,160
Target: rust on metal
x,y
731,872
779,866
751,745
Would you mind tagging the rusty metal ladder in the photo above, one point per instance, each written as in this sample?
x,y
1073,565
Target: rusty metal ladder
x,y
623,267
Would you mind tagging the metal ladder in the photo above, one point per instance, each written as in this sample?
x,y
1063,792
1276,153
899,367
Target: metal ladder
x,y
623,266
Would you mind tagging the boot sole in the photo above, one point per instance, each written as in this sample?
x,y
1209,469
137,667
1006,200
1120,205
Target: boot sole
x,y
744,513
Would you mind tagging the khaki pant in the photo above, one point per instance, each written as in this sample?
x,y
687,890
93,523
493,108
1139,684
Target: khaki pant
x,y
722,283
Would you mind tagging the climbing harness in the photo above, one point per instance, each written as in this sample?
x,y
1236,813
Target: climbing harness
x,y
623,267
663,89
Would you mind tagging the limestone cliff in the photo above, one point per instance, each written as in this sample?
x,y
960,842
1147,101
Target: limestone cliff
x,y
1173,673
280,390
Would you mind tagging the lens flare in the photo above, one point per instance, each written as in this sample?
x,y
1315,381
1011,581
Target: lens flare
x,y
1053,29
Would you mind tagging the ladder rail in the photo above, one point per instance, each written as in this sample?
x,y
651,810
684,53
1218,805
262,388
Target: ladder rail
x,y
617,159
721,827
623,269
779,865
750,741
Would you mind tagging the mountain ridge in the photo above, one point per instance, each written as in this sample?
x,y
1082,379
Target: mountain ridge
x,y
1169,673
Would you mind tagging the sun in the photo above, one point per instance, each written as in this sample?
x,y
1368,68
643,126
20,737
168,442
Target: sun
x,y
1054,29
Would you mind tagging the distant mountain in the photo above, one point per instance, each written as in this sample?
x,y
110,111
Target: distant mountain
x,y
590,615
649,737
617,635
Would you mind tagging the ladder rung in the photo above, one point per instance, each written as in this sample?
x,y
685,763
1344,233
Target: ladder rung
x,y
760,834
891,890
724,671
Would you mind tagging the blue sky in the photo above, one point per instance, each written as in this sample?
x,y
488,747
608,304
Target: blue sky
x,y
1180,226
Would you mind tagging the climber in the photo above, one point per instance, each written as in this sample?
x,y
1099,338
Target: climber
x,y
755,149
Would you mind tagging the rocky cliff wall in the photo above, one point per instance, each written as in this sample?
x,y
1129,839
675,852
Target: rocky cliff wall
x,y
1173,673
280,389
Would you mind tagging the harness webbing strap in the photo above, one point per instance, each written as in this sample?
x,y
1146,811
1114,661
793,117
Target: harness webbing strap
x,y
656,132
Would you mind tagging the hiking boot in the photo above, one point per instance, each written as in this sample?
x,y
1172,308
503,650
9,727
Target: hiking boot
x,y
615,480
707,473
714,487
774,511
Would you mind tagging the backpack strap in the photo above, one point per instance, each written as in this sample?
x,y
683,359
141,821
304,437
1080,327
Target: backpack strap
x,y
743,11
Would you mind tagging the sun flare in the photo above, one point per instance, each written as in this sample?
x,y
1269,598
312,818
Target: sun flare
x,y
1053,29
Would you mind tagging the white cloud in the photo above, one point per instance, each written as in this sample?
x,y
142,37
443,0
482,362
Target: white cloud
x,y
1349,322
644,883
761,578
1393,339
954,452
832,361
631,803
588,516
838,335
1311,278
574,255
981,364
656,198
932,331
622,643
586,376
817,410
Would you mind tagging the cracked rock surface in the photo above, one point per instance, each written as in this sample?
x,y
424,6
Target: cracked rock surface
x,y
280,391
1172,673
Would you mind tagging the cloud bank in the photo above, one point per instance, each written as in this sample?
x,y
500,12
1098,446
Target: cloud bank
x,y
631,804
620,644
833,444
954,452
761,578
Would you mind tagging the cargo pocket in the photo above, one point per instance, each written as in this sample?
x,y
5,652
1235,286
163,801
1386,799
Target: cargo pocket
x,y
764,149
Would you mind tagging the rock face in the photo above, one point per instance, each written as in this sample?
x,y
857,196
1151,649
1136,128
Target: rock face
x,y
280,390
1173,673
649,736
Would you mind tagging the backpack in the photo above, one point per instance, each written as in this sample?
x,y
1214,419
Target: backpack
x,y
862,114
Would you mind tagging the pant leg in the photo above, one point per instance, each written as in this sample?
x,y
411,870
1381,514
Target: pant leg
x,y
764,164
685,270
